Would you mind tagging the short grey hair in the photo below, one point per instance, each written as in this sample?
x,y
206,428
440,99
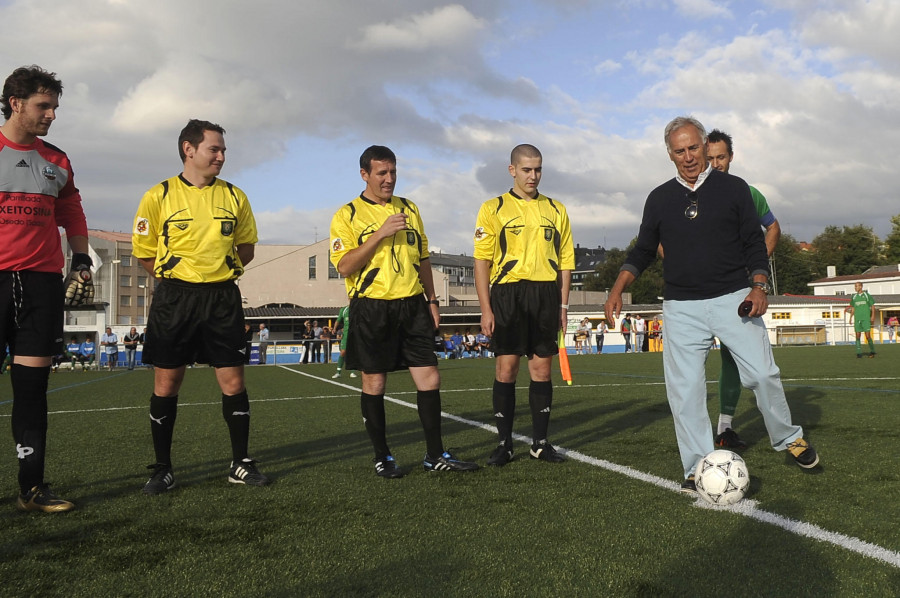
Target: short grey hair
x,y
682,121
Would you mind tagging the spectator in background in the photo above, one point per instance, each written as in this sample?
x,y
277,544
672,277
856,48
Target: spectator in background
x,y
602,328
470,342
625,327
326,337
73,352
483,344
581,336
306,335
892,328
263,343
640,327
316,342
110,343
88,352
587,336
131,343
459,343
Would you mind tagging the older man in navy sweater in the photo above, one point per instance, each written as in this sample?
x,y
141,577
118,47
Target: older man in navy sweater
x,y
707,222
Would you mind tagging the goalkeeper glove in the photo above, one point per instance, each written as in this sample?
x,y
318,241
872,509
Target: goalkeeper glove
x,y
79,283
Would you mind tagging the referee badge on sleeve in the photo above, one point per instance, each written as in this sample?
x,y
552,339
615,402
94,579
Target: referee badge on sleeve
x,y
337,245
142,226
479,233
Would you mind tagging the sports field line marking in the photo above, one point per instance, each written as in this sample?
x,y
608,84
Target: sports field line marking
x,y
746,507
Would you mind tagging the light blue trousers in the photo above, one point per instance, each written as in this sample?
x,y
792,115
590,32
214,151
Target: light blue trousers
x,y
690,328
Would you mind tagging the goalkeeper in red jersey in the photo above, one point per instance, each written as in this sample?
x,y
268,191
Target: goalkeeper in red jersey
x,y
37,195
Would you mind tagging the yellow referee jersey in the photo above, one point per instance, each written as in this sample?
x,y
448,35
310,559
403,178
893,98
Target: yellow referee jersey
x,y
194,233
524,240
393,272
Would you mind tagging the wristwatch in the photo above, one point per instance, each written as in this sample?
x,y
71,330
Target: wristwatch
x,y
766,288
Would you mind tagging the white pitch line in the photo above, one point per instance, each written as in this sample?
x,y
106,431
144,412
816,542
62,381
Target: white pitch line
x,y
746,507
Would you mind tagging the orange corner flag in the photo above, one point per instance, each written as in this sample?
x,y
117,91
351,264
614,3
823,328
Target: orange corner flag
x,y
564,360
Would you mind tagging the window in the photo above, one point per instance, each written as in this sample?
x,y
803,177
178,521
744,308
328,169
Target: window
x,y
142,280
125,281
140,301
125,300
332,271
312,267
831,315
781,315
125,260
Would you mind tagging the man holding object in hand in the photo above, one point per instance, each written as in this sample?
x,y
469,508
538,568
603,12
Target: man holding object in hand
x,y
38,195
708,225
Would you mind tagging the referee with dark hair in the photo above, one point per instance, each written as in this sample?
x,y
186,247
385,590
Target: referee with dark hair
x,y
195,233
523,268
378,243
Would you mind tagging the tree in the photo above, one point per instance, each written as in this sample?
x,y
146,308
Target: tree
x,y
645,289
605,274
892,242
793,268
852,249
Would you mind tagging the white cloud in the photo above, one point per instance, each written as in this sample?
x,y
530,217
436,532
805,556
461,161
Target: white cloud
x,y
607,66
444,26
703,9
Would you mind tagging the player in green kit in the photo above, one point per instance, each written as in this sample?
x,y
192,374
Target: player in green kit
x,y
862,314
721,154
343,323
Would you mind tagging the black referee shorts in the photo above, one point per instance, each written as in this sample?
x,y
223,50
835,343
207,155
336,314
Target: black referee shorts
x,y
195,323
526,318
31,312
390,335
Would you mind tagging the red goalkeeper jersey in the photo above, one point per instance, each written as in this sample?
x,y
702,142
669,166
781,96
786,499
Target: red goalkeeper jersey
x,y
37,195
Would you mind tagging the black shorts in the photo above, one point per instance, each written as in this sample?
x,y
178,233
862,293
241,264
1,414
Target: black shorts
x,y
195,323
526,318
390,335
31,313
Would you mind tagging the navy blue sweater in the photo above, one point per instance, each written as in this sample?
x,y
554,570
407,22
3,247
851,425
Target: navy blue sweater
x,y
711,255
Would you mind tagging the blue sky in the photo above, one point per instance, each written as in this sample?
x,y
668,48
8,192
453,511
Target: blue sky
x,y
809,90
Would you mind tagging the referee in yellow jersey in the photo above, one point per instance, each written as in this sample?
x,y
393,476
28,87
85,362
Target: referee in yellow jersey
x,y
523,269
378,243
195,233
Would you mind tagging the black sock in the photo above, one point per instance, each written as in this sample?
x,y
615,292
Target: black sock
x,y
429,406
236,411
540,397
163,411
504,396
29,422
373,416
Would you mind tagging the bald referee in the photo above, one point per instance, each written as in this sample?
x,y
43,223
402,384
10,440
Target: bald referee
x,y
523,268
195,233
378,243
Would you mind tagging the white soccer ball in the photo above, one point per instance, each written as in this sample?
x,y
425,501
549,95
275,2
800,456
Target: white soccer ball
x,y
722,477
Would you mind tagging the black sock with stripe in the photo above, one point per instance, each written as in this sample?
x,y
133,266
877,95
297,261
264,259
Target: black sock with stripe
x,y
236,411
163,411
504,399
